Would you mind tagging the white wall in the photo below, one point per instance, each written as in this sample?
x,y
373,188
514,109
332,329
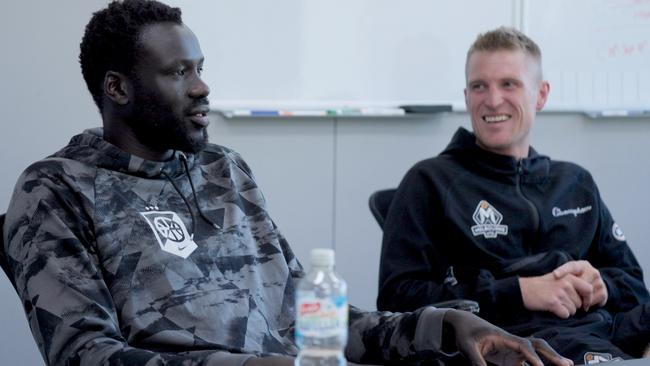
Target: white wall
x,y
317,174
44,101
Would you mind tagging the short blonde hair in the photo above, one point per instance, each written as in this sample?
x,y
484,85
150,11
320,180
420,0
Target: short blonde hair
x,y
505,38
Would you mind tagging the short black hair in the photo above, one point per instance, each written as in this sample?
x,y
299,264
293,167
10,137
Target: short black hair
x,y
110,42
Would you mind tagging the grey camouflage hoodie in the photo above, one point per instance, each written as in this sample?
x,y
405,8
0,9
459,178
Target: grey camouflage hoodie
x,y
122,261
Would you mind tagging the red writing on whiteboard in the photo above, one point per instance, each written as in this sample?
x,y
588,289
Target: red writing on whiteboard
x,y
630,4
642,14
628,49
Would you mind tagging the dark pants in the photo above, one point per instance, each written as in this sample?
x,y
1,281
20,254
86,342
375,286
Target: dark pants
x,y
585,339
599,336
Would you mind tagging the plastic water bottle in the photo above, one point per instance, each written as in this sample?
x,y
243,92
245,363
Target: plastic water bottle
x,y
322,319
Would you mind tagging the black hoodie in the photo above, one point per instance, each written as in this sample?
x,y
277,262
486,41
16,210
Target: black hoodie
x,y
468,223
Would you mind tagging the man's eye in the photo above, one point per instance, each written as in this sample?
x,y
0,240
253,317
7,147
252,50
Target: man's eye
x,y
199,70
180,72
477,87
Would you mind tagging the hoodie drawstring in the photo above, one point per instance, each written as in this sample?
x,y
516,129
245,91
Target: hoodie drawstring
x,y
196,200
189,208
187,203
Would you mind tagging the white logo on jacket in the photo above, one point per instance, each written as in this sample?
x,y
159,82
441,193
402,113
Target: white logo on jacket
x,y
557,212
592,358
488,221
618,232
171,233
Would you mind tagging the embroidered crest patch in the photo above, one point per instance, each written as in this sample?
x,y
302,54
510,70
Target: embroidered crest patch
x,y
171,233
488,221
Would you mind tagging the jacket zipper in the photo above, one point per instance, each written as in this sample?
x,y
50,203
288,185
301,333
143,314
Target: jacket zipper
x,y
533,209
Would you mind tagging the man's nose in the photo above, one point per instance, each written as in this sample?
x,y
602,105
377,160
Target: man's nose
x,y
199,89
494,97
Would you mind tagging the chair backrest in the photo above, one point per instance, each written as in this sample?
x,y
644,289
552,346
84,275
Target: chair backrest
x,y
379,203
3,256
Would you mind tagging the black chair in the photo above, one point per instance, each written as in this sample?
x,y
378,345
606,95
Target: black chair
x,y
3,256
379,203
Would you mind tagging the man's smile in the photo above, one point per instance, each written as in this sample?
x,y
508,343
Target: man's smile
x,y
494,118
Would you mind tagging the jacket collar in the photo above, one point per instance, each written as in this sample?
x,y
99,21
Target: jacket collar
x,y
463,147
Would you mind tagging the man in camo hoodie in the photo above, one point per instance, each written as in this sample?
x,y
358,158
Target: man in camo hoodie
x,y
140,243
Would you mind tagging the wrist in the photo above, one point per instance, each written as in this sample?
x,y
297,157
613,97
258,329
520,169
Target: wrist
x,y
448,343
509,293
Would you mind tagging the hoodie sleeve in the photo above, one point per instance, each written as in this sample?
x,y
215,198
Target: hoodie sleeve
x,y
50,247
619,268
413,270
379,337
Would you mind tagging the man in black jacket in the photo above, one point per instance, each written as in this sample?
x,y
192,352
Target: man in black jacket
x,y
527,237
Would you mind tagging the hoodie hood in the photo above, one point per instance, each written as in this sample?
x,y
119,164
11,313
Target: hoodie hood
x,y
463,147
90,148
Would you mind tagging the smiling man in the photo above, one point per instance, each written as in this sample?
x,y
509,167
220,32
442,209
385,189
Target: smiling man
x,y
529,238
140,243
504,91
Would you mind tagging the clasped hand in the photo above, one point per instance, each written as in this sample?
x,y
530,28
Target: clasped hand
x,y
572,286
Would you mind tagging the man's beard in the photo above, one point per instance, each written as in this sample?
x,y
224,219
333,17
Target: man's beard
x,y
156,126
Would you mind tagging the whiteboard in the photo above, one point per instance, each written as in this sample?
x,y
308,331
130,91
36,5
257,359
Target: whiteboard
x,y
596,53
310,52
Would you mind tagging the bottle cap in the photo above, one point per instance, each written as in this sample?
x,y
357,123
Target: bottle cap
x,y
322,257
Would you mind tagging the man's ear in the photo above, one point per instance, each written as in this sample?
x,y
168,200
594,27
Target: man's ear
x,y
542,95
116,87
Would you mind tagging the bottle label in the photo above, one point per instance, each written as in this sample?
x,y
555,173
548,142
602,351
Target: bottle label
x,y
318,317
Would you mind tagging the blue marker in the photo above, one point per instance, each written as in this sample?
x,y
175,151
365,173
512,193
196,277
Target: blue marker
x,y
262,112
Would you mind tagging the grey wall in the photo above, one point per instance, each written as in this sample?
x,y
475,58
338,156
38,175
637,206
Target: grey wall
x,y
290,158
43,101
317,174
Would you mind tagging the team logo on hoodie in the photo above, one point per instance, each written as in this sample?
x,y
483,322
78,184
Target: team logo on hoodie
x,y
488,221
171,233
